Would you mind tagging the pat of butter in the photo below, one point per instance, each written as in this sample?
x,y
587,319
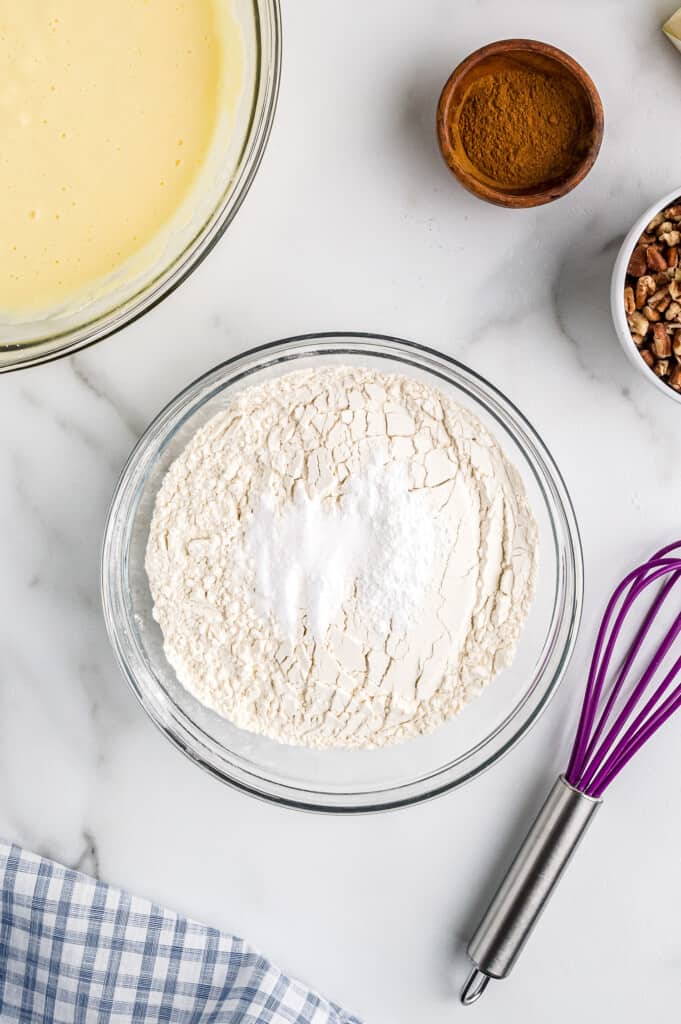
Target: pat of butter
x,y
672,29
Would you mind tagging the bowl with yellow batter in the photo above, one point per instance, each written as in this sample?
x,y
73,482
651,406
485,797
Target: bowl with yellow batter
x,y
131,134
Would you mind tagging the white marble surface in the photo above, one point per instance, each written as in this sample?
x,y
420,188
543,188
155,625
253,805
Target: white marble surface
x,y
354,223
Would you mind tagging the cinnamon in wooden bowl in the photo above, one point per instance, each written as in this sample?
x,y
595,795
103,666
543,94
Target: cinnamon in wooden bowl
x,y
520,123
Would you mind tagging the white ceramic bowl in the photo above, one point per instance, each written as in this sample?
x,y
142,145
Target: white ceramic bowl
x,y
619,274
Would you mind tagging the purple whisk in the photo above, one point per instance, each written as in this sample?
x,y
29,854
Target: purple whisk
x,y
619,714
593,764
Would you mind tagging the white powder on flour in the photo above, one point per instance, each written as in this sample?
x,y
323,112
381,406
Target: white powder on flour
x,y
341,558
380,538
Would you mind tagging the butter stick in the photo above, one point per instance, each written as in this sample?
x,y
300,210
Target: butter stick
x,y
672,29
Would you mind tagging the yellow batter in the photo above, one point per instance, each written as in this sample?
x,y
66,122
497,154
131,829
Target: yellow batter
x,y
107,112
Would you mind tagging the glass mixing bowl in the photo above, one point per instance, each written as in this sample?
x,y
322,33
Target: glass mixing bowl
x,y
345,781
145,281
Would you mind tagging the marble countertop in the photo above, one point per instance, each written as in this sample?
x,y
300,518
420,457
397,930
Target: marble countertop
x,y
354,223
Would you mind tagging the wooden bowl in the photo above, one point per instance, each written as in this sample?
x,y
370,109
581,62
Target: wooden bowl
x,y
500,56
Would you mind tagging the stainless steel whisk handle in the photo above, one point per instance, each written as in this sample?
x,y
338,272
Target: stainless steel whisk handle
x,y
530,881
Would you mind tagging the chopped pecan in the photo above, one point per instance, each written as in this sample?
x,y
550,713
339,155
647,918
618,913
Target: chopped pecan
x,y
654,258
658,219
645,286
638,323
676,345
662,343
637,263
659,296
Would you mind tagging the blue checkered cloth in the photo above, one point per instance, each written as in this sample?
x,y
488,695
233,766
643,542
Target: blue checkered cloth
x,y
76,951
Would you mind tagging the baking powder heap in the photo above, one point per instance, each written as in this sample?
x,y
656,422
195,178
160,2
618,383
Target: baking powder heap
x,y
379,538
341,558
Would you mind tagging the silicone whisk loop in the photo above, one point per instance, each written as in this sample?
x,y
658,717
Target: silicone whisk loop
x,y
606,740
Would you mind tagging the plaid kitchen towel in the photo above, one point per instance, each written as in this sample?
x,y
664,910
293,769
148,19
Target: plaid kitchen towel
x,y
76,951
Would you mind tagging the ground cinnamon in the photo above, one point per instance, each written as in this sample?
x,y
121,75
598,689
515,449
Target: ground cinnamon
x,y
522,127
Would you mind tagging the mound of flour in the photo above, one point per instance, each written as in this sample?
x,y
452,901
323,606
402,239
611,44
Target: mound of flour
x,y
341,558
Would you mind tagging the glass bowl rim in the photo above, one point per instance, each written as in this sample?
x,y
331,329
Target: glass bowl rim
x,y
268,30
179,728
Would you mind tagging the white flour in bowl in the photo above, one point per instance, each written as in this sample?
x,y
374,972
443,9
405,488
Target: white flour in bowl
x,y
341,558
